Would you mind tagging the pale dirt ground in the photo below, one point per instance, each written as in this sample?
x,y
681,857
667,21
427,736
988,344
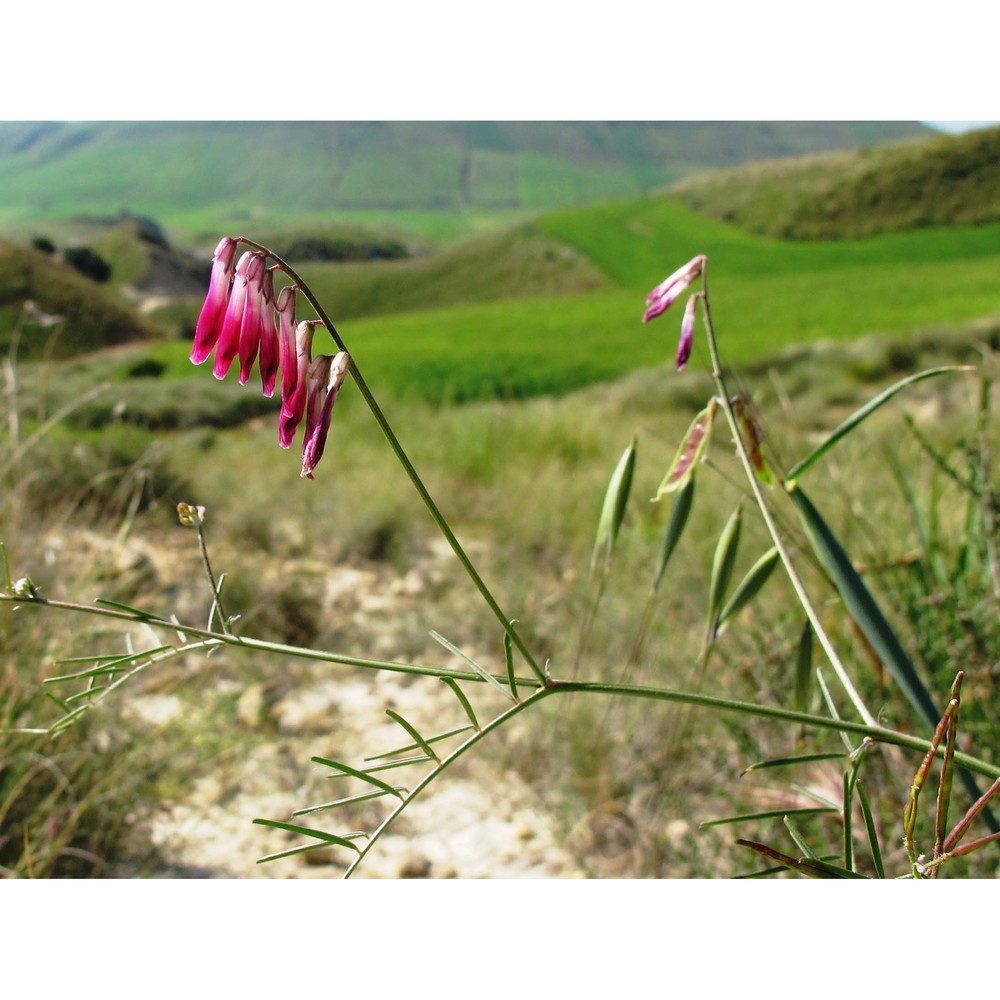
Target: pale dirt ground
x,y
478,820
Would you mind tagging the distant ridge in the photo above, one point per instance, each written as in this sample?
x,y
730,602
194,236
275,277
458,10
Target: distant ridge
x,y
192,173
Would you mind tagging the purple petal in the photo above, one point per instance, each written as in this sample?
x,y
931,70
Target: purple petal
x,y
209,325
229,339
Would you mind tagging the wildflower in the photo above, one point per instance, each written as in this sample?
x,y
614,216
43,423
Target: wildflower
x,y
686,342
268,336
213,311
661,298
294,382
286,340
253,314
190,514
228,343
326,375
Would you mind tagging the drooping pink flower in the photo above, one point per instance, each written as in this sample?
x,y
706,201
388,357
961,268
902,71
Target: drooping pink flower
x,y
661,298
253,310
326,376
268,336
286,340
209,326
229,339
293,403
686,341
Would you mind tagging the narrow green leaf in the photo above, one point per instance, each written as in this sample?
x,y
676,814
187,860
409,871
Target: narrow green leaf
x,y
119,665
482,671
722,569
832,708
800,841
864,610
413,746
400,762
689,453
769,814
873,844
354,773
751,585
350,800
803,670
420,741
808,758
613,511
675,527
460,695
80,695
508,655
305,831
859,415
114,605
848,827
866,613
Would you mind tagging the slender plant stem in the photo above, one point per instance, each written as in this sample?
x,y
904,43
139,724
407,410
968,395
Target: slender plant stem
x,y
300,652
408,466
765,510
216,592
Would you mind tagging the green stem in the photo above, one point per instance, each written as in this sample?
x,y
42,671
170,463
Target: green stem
x,y
404,460
765,510
301,652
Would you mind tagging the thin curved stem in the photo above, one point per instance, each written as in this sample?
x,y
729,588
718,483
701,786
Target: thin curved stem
x,y
408,466
765,510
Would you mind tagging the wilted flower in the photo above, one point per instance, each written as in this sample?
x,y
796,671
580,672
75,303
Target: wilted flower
x,y
661,298
295,383
326,375
209,325
686,342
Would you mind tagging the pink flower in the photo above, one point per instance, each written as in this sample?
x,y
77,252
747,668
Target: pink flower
x,y
286,340
293,401
326,376
210,318
229,338
268,336
661,298
686,342
253,311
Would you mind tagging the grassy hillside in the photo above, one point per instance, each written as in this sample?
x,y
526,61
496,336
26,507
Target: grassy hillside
x,y
953,180
440,177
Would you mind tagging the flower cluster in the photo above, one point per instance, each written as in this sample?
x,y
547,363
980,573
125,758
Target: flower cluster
x,y
238,321
667,292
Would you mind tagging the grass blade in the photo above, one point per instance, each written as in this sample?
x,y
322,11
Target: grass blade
x,y
350,800
864,610
859,415
803,670
873,844
808,758
413,746
800,841
769,814
305,831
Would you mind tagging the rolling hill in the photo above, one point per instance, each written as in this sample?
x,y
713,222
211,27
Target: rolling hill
x,y
442,178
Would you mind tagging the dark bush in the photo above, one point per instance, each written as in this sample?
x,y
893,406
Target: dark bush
x,y
89,263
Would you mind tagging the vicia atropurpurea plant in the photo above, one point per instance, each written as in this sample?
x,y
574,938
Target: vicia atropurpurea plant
x,y
244,320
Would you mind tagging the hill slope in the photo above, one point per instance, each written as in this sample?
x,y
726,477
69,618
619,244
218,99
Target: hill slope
x,y
207,174
945,181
